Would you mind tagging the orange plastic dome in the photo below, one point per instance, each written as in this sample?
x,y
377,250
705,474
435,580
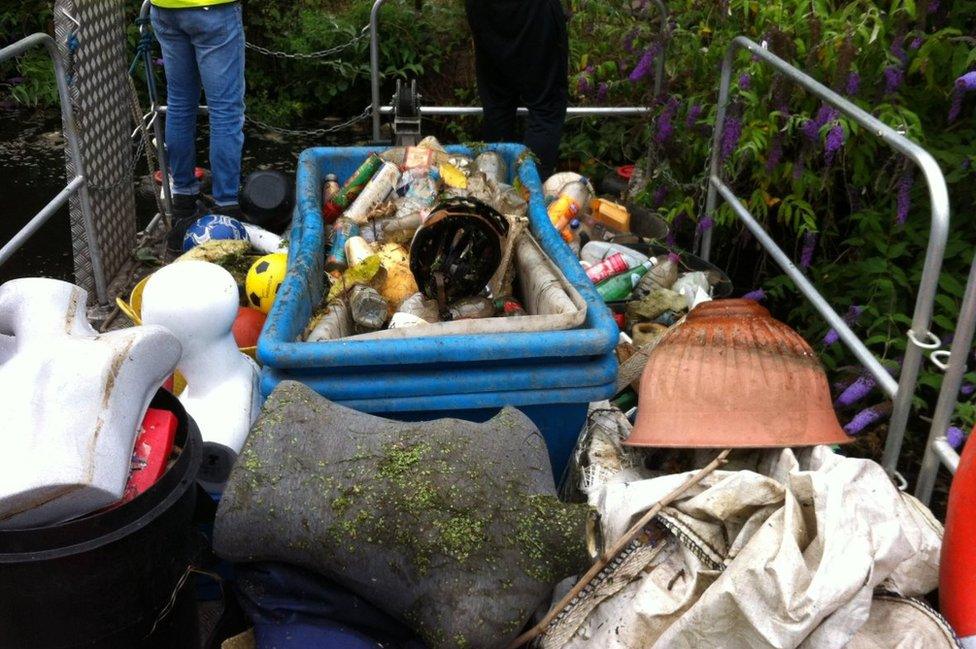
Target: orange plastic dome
x,y
732,376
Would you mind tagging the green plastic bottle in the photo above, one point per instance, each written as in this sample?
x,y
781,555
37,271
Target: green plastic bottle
x,y
619,287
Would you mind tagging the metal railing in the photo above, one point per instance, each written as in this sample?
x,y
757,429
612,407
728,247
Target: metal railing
x,y
76,185
572,111
919,336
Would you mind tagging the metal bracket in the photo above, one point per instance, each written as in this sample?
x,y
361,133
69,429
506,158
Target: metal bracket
x,y
406,114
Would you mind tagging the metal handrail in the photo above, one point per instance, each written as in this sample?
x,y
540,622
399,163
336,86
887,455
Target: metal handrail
x,y
76,185
902,390
154,110
572,111
937,449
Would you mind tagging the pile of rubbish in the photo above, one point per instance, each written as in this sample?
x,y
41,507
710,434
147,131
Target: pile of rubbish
x,y
423,237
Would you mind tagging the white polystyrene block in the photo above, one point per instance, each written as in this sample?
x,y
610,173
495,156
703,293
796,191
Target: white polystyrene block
x,y
198,302
73,400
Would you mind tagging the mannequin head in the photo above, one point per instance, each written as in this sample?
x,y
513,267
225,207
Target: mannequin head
x,y
196,300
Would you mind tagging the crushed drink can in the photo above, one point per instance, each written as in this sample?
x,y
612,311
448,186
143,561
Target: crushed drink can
x,y
354,185
612,265
342,231
375,192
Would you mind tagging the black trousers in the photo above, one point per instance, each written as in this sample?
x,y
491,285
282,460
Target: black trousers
x,y
522,56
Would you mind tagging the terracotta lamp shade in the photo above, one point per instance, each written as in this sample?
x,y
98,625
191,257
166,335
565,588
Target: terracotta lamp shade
x,y
732,376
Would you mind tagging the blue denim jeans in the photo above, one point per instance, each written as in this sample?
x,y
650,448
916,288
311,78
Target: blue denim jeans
x,y
204,46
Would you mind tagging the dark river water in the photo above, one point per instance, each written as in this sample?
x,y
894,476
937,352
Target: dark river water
x,y
32,172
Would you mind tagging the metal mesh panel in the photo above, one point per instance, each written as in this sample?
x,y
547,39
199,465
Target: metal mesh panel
x,y
91,38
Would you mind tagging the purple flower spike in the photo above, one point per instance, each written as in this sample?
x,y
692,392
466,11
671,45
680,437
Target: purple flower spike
x,y
657,198
835,140
629,42
693,114
756,296
851,317
967,81
894,77
916,43
831,337
705,224
862,420
857,390
775,153
601,91
644,65
664,125
745,81
730,136
956,106
955,437
904,199
853,84
583,86
809,246
967,389
671,239
899,50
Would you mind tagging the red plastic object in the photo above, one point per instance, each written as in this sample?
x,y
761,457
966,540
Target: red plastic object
x,y
620,319
247,326
957,570
626,172
199,172
151,452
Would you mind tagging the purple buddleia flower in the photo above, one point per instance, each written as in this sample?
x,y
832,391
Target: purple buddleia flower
x,y
664,122
894,77
862,420
856,391
705,224
731,133
630,40
835,140
932,7
967,389
898,49
851,317
693,114
853,84
583,86
745,81
601,91
657,198
904,199
645,64
963,84
775,152
672,239
955,437
811,128
916,43
809,246
756,296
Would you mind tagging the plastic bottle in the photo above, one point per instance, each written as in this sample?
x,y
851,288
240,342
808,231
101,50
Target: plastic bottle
x,y
612,265
378,190
492,165
418,305
596,251
620,287
569,204
663,275
330,188
357,251
471,308
369,309
354,185
400,229
509,307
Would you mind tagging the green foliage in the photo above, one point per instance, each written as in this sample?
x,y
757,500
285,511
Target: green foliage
x,y
37,87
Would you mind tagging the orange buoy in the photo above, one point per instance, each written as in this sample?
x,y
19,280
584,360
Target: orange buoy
x,y
957,570
247,326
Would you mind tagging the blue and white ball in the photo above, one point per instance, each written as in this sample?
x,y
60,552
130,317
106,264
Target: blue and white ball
x,y
212,227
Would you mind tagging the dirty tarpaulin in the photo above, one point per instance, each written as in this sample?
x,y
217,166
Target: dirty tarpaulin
x,y
787,553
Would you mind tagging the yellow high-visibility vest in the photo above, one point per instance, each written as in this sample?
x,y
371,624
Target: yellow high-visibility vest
x,y
188,4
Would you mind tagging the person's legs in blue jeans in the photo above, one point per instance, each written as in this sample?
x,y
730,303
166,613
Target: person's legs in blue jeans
x,y
218,39
182,98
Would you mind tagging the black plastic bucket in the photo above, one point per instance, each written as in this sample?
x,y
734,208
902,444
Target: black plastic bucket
x,y
107,580
267,199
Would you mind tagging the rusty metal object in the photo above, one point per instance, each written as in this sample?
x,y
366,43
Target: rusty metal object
x,y
457,250
733,376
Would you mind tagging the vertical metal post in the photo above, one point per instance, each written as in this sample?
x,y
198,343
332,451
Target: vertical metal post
x,y
938,231
949,393
374,65
157,116
662,11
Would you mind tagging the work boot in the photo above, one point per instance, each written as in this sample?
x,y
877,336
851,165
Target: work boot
x,y
187,208
233,211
